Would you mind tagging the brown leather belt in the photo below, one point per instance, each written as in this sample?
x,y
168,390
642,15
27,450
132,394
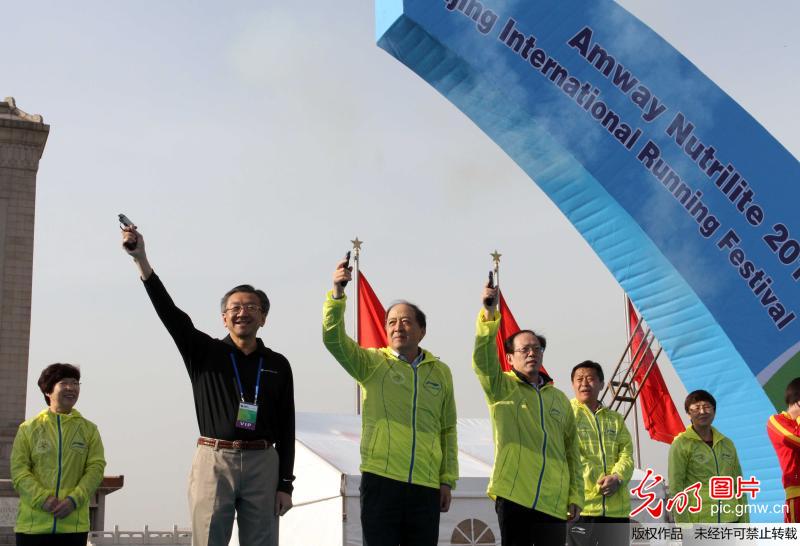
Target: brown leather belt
x,y
235,444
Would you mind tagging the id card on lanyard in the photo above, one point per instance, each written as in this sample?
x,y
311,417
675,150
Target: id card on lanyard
x,y
247,414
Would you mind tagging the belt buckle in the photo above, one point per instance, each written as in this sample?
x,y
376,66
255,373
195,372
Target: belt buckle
x,y
238,444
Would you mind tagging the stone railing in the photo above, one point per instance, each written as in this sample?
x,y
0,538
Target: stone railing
x,y
175,537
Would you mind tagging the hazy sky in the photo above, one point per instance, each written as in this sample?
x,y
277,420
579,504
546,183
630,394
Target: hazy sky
x,y
250,141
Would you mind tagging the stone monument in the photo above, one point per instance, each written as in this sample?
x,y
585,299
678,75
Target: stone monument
x,y
22,140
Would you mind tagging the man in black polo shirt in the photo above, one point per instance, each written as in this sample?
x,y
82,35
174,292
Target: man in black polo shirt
x,y
244,401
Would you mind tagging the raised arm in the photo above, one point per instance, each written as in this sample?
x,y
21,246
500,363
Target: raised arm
x,y
358,362
484,356
789,433
133,244
178,323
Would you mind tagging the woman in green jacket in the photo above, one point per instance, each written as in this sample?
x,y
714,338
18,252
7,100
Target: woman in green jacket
x,y
698,454
57,463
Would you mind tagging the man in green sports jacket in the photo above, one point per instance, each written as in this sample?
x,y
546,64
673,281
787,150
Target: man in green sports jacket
x,y
536,480
409,455
607,459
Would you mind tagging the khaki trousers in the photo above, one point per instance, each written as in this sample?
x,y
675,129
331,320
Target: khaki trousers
x,y
227,481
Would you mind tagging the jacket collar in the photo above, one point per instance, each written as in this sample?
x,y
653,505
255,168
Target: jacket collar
x,y
46,413
426,356
576,404
417,359
716,436
788,416
544,379
261,349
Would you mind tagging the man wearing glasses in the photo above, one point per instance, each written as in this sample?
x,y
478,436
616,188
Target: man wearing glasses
x,y
537,479
698,454
244,401
409,451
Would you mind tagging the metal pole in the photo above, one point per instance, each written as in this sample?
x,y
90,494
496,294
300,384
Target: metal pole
x,y
496,259
635,409
356,261
615,392
636,430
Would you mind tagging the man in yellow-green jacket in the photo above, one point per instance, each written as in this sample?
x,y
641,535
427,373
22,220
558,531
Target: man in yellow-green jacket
x,y
536,480
409,455
700,453
607,459
57,463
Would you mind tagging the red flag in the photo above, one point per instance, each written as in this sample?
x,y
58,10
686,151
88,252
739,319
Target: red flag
x,y
659,415
371,316
508,327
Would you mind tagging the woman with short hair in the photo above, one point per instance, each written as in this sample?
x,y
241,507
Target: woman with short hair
x,y
57,463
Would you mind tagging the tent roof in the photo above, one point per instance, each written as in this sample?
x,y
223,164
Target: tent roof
x,y
335,438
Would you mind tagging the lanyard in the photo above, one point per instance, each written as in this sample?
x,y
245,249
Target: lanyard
x,y
239,381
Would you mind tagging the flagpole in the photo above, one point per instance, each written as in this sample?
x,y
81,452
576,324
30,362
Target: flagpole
x,y
356,260
625,300
496,259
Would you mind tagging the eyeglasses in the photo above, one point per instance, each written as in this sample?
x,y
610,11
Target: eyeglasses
x,y
707,408
69,383
532,349
236,309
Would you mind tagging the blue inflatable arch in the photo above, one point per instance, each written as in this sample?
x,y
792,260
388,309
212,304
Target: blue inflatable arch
x,y
687,200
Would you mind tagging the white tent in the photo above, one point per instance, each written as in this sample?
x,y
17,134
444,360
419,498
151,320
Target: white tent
x,y
326,499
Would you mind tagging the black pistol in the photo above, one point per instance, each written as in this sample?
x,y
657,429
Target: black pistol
x,y
488,302
347,258
124,221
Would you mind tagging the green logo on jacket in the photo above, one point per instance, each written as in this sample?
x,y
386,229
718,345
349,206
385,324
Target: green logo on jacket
x,y
433,387
42,446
